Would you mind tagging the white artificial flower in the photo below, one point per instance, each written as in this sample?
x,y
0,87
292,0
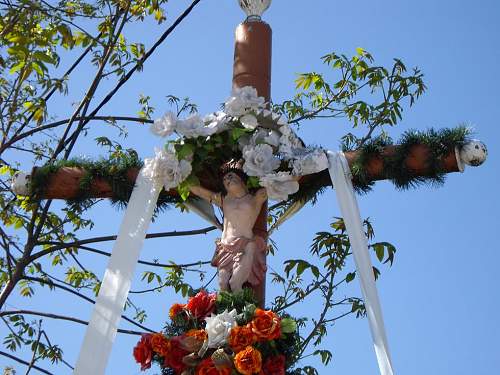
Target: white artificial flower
x,y
259,160
243,100
219,326
249,121
192,127
279,185
261,135
165,167
273,138
289,142
216,122
165,125
20,183
312,161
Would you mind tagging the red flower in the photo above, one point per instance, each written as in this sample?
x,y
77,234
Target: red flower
x,y
207,367
274,365
175,310
173,358
143,352
202,304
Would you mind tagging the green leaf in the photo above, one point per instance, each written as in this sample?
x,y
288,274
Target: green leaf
x,y
185,151
350,277
17,67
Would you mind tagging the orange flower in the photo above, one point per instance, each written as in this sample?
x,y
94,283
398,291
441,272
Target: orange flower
x,y
175,310
198,334
207,367
175,354
160,344
266,325
240,338
248,361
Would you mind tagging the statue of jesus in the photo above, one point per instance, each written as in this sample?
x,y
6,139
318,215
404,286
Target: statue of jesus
x,y
240,255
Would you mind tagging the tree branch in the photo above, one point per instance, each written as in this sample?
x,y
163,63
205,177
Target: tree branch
x,y
61,317
24,362
112,238
82,296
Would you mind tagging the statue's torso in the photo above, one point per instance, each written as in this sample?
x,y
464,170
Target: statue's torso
x,y
240,215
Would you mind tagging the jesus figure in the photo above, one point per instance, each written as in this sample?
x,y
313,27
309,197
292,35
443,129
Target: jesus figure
x,y
240,255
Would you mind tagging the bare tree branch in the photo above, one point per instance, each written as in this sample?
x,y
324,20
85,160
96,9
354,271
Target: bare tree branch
x,y
59,246
19,360
61,317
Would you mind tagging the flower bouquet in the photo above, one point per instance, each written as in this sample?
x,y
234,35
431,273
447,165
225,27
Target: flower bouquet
x,y
221,334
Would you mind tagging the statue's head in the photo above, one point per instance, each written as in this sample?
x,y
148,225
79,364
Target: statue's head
x,y
233,177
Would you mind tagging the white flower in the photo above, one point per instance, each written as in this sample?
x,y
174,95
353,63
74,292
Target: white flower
x,y
288,142
166,168
279,185
242,101
216,122
192,127
165,125
20,183
249,121
312,162
218,328
259,160
271,137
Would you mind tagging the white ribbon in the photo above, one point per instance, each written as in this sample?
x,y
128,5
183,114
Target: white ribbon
x,y
341,178
103,325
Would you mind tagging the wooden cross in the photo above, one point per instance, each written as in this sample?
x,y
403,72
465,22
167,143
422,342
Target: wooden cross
x,y
252,67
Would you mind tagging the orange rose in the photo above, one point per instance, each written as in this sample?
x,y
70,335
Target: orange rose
x,y
207,367
198,334
175,310
160,344
248,361
240,338
266,325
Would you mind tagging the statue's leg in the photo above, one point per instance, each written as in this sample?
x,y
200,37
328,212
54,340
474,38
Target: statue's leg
x,y
242,267
224,276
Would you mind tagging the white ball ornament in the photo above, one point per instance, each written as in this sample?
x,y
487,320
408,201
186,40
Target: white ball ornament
x,y
473,153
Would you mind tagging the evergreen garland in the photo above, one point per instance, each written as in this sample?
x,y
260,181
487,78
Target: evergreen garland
x,y
114,170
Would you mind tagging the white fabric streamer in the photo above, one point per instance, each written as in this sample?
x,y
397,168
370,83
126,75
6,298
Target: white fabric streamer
x,y
103,325
341,178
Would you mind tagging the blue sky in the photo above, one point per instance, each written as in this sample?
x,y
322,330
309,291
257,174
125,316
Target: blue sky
x,y
440,298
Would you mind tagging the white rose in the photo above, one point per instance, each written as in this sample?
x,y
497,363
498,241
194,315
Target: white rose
x,y
288,142
312,162
165,125
166,168
218,328
259,160
279,185
249,121
242,101
192,127
271,137
216,122
20,183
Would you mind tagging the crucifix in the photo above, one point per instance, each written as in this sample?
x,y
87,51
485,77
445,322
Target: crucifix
x,y
240,254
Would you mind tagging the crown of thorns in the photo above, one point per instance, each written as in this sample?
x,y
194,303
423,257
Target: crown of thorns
x,y
235,166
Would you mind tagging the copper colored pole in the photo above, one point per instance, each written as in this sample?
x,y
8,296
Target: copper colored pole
x,y
252,67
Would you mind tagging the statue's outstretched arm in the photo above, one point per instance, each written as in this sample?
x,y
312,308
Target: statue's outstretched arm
x,y
208,195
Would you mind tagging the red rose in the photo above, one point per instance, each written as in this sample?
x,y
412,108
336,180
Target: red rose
x,y
202,304
143,352
274,365
207,367
266,325
173,358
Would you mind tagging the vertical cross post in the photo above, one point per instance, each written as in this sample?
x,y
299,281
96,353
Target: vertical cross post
x,y
252,67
